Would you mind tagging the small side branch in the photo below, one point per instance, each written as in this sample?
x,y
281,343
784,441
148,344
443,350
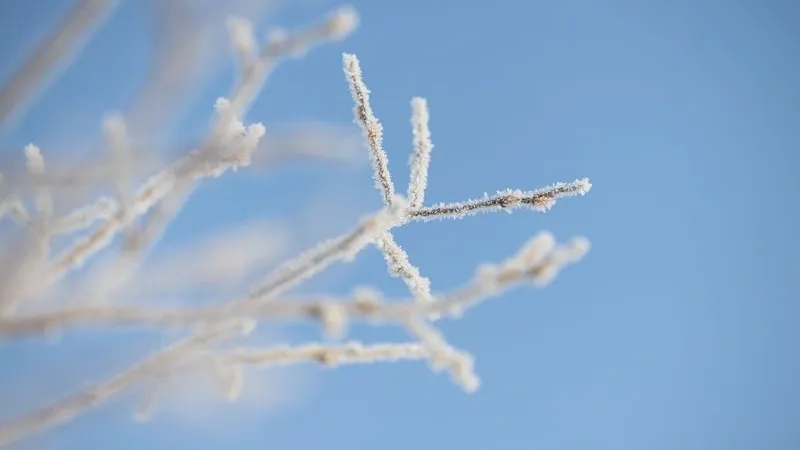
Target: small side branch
x,y
538,200
70,407
52,50
421,156
345,354
372,129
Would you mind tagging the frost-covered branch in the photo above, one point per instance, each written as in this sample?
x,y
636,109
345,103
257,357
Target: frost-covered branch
x,y
66,409
135,218
537,262
372,129
508,200
54,48
326,354
200,164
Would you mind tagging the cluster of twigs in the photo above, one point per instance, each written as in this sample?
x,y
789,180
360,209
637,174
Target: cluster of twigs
x,y
139,217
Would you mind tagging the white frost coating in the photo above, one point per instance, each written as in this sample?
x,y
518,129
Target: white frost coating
x,y
243,140
348,353
560,257
83,217
56,47
462,371
116,133
229,378
160,185
342,248
343,22
375,225
242,39
34,159
146,406
44,201
539,200
534,251
441,356
400,266
13,207
421,156
371,128
334,320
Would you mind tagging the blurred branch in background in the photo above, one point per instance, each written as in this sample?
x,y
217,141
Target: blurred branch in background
x,y
56,48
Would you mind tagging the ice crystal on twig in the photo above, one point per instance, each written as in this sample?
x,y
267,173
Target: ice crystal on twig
x,y
421,155
372,129
508,200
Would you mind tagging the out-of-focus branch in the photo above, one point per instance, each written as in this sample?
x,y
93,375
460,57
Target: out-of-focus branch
x,y
324,254
71,406
207,161
370,127
539,200
326,354
54,48
537,262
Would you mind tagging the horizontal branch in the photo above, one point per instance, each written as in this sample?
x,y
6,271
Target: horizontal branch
x,y
373,307
348,353
538,200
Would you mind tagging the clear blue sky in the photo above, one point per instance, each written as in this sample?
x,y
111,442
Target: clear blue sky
x,y
678,331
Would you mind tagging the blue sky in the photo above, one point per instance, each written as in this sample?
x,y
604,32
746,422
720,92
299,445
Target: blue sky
x,y
677,331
